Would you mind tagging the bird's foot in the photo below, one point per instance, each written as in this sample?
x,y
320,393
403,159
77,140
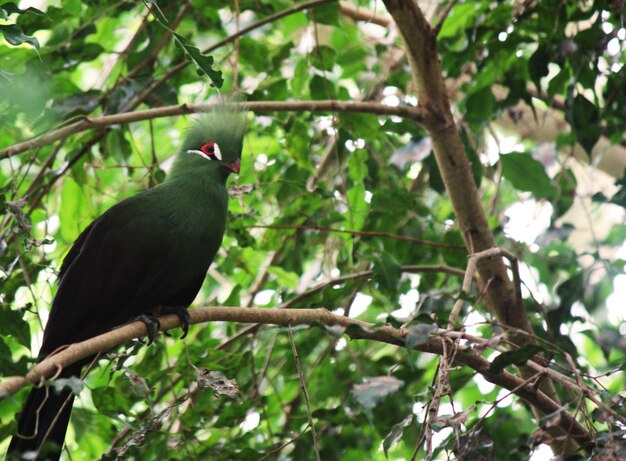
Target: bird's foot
x,y
183,315
152,325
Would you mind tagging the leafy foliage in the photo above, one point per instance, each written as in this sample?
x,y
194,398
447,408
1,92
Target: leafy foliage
x,y
327,212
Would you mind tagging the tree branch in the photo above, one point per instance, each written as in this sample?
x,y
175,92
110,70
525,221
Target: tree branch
x,y
290,317
413,269
454,166
305,393
360,233
231,38
358,13
89,123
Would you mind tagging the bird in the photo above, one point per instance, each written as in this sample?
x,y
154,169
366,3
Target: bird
x,y
146,255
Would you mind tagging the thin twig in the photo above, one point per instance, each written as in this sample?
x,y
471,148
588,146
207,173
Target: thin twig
x,y
305,393
235,63
262,276
159,46
178,67
443,16
413,269
360,233
336,281
287,443
471,270
359,13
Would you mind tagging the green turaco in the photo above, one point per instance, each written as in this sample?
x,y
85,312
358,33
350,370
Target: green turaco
x,y
147,255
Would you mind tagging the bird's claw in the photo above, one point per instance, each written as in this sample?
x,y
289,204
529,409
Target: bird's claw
x,y
182,313
152,325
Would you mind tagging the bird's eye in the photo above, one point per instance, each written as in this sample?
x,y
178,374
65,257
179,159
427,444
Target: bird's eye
x,y
208,148
212,150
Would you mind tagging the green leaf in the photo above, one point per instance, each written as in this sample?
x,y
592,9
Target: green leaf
x,y
82,102
461,16
73,210
204,64
9,8
325,14
12,324
254,52
434,175
396,433
298,143
283,277
357,165
617,235
10,367
110,401
453,256
357,206
374,390
292,24
566,185
323,57
118,146
619,197
480,106
320,88
610,339
387,272
570,291
515,357
73,6
300,79
527,174
584,117
558,83
15,36
419,334
538,65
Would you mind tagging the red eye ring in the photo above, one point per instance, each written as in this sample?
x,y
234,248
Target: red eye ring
x,y
208,148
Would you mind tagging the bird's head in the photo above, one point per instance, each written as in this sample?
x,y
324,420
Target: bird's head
x,y
215,137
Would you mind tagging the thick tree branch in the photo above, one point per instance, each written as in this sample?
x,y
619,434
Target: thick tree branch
x,y
290,317
453,162
89,123
455,169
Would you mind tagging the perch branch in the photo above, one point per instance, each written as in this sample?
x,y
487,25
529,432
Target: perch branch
x,y
90,123
290,317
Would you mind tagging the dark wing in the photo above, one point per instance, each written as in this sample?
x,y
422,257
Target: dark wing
x,y
76,248
123,264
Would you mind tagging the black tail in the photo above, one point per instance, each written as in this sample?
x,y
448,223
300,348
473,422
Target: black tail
x,y
43,421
